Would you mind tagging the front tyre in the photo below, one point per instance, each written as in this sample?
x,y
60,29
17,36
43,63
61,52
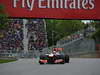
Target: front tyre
x,y
42,57
61,57
41,63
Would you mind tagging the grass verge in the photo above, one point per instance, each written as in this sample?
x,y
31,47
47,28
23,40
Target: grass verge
x,y
6,60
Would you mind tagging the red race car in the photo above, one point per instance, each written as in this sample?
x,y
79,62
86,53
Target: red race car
x,y
54,57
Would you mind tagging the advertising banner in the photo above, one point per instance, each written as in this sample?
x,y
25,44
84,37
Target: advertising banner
x,y
57,9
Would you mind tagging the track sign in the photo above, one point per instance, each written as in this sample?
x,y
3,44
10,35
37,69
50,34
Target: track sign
x,y
59,9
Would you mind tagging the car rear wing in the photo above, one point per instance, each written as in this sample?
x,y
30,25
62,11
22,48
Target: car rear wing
x,y
57,49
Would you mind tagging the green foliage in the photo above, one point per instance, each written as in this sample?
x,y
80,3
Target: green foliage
x,y
61,28
97,33
3,18
1,7
7,60
3,21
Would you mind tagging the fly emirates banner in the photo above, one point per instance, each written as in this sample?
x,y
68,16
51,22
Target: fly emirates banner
x,y
58,9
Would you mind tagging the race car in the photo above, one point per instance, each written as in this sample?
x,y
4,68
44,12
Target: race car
x,y
54,57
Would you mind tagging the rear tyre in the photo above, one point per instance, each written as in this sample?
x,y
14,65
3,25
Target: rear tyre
x,y
62,62
66,58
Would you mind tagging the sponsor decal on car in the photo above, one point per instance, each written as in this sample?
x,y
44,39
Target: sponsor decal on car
x,y
44,61
59,60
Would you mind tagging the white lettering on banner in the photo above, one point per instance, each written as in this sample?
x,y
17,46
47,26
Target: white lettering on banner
x,y
91,2
40,4
23,3
57,4
53,4
48,5
78,6
30,5
84,3
64,4
61,3
73,4
15,3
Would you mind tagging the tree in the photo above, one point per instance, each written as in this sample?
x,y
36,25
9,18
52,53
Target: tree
x,y
57,29
3,22
96,35
3,18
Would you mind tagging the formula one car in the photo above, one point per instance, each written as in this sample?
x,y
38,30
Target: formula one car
x,y
54,57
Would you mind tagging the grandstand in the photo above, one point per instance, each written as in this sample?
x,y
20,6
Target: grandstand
x,y
13,41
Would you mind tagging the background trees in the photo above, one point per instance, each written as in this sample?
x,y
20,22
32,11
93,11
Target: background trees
x,y
96,35
57,29
3,21
3,18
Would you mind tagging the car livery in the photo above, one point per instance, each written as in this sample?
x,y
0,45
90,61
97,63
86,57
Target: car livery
x,y
54,58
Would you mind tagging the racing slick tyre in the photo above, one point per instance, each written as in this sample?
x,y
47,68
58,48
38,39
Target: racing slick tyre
x,y
66,59
41,63
61,57
43,58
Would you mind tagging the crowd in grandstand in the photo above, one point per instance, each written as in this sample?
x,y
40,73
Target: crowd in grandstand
x,y
77,35
13,38
36,34
70,38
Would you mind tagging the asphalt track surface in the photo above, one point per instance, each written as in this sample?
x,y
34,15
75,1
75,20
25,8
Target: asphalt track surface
x,y
77,66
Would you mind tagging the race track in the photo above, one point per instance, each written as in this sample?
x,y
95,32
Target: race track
x,y
77,66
